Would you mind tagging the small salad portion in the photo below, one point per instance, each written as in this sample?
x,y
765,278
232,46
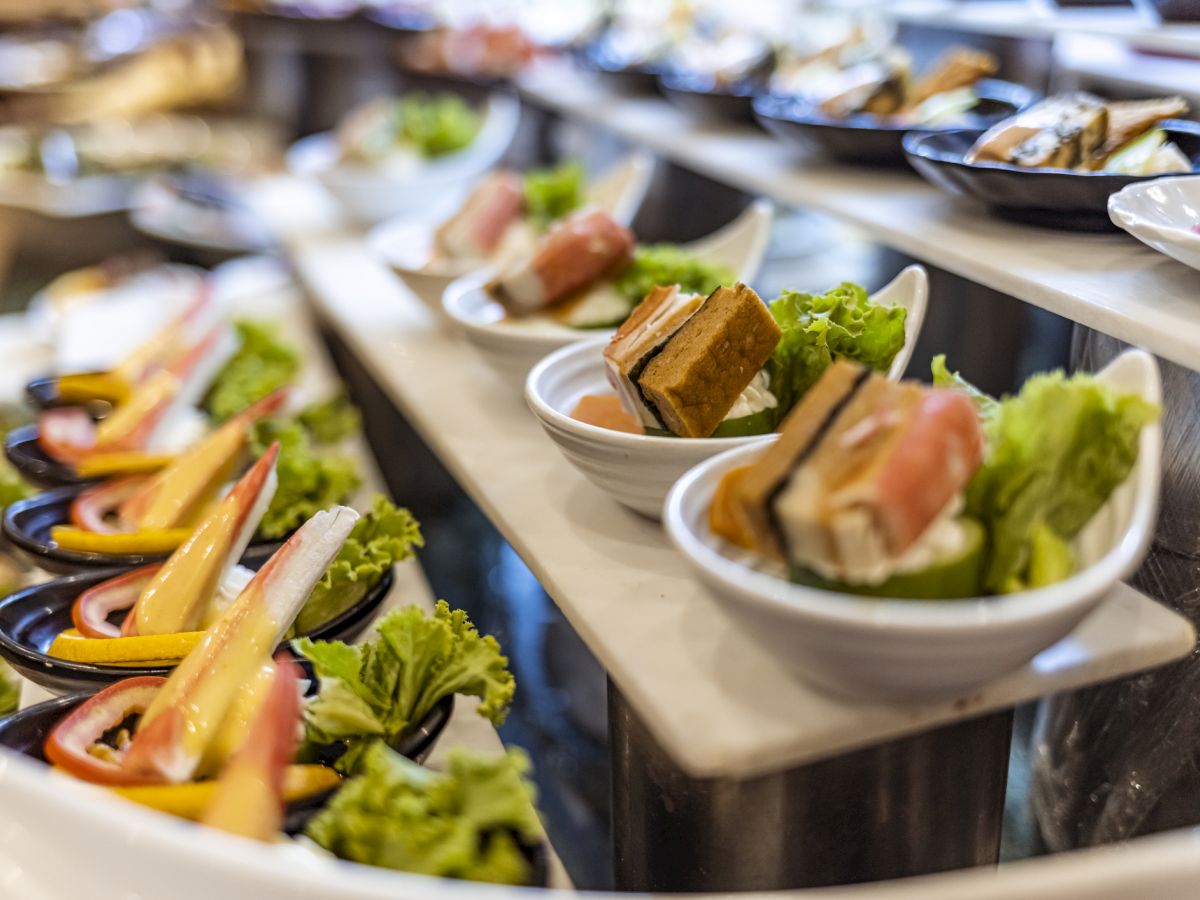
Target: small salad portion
x,y
589,272
217,742
1084,133
901,490
730,365
879,82
390,132
504,215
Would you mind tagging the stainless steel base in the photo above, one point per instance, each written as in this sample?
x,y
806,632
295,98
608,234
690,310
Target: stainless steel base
x,y
922,804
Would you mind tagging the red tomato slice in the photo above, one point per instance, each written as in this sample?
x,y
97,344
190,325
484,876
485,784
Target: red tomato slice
x,y
91,509
66,433
92,608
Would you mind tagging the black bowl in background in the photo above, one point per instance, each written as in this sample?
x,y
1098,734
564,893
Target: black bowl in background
x,y
596,56
700,96
35,465
1055,198
1171,10
27,525
31,618
42,393
865,138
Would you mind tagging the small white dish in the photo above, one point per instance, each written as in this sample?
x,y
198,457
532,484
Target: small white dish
x,y
78,198
512,346
638,470
406,243
1164,214
914,650
371,195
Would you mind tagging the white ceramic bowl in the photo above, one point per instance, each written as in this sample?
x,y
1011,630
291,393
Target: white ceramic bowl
x,y
88,195
905,649
371,195
406,243
513,346
1162,213
638,470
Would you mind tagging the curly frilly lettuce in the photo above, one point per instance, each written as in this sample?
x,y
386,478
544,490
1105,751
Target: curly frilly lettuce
x,y
331,420
552,193
383,537
309,481
262,364
843,322
468,822
378,690
434,125
943,377
655,264
1055,452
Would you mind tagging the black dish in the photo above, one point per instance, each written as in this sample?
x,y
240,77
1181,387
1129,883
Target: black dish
x,y
22,449
1054,198
27,525
864,138
596,56
31,618
702,97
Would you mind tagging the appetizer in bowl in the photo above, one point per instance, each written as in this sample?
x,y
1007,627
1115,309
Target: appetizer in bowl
x,y
905,540
502,219
687,377
133,520
91,629
717,75
1057,162
218,740
407,155
587,274
1162,214
862,110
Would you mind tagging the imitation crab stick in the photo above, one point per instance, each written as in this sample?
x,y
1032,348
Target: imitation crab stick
x,y
249,797
176,730
180,593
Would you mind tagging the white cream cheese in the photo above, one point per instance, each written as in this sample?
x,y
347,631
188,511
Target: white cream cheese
x,y
754,399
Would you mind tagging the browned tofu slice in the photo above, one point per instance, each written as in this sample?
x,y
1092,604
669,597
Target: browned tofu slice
x,y
700,372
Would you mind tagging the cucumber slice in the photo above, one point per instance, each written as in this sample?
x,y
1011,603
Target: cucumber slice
x,y
1135,156
601,307
761,422
1050,558
959,575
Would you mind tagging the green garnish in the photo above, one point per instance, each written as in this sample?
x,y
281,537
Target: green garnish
x,y
376,691
434,125
262,364
309,481
468,822
383,537
552,193
10,689
655,264
331,420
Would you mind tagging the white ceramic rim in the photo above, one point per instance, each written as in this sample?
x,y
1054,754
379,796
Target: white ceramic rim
x,y
1123,212
945,617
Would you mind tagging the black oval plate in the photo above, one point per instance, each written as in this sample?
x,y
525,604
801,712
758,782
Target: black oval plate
x,y
27,525
31,618
865,138
700,96
1055,198
22,449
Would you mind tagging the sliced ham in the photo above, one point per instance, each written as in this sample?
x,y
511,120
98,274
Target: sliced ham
x,y
475,231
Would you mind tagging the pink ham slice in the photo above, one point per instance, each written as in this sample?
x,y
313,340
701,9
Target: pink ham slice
x,y
578,251
475,231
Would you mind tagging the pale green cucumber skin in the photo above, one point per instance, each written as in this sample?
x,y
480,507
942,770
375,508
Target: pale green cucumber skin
x,y
954,579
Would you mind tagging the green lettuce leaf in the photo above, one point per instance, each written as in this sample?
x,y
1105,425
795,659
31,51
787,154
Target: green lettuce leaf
x,y
434,125
467,822
842,322
943,377
380,689
655,264
383,537
262,364
331,420
552,193
10,689
1055,452
309,481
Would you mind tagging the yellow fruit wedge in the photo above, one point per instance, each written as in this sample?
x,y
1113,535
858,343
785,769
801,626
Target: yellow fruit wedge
x,y
249,796
84,386
188,801
177,728
122,462
156,541
155,648
180,594
129,419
